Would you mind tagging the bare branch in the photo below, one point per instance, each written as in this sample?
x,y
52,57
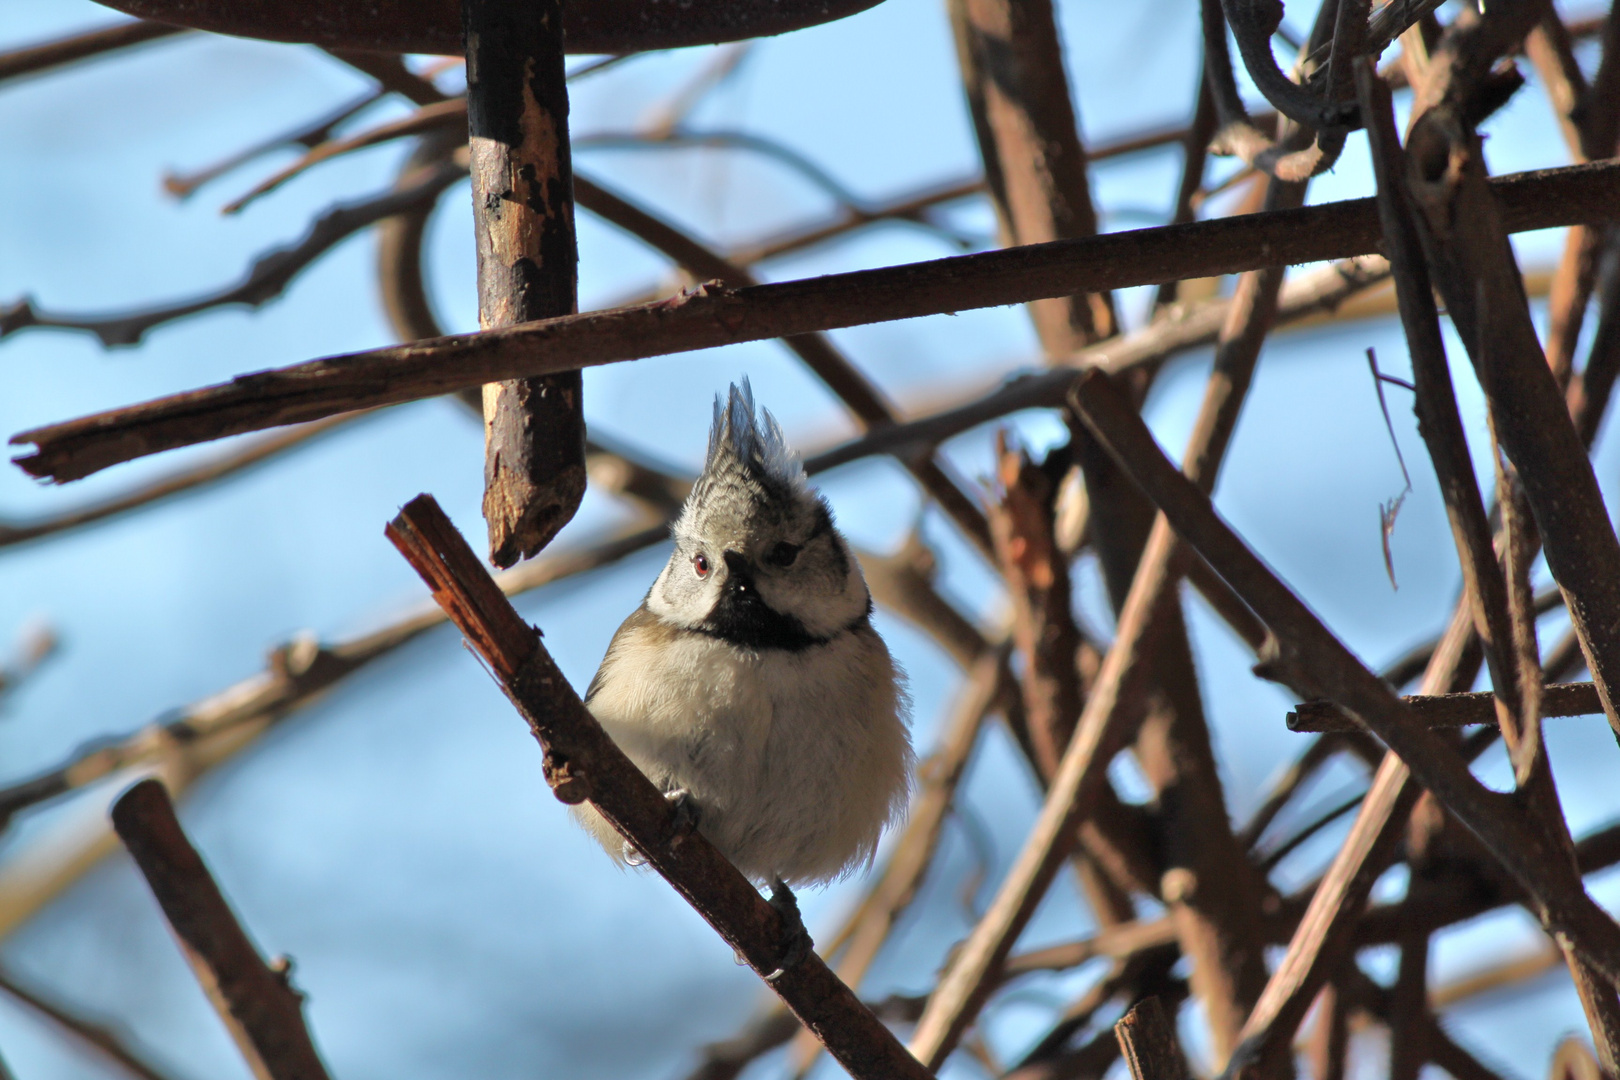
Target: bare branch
x,y
47,56
1453,710
1310,659
271,273
256,1000
708,316
100,1036
582,763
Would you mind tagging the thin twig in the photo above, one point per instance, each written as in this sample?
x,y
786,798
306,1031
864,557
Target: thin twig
x,y
99,1035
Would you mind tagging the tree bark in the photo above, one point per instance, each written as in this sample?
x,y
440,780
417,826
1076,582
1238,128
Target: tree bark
x,y
523,219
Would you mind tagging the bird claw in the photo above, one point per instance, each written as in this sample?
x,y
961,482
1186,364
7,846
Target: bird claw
x,y
684,823
687,815
796,943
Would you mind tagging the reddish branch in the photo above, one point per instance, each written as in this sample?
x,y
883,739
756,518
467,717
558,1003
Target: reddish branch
x,y
256,1000
1037,577
705,317
582,763
1307,657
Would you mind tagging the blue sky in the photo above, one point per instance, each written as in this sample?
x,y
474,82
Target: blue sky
x,y
397,839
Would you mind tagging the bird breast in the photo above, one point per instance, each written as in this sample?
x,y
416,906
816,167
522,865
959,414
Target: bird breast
x,y
796,758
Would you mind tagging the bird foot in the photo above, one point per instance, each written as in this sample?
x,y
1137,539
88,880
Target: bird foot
x,y
685,822
687,815
796,943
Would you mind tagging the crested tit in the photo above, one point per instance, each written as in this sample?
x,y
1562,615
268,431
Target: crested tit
x,y
750,685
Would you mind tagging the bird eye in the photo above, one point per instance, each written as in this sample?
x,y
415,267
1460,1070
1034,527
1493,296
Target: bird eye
x,y
783,554
700,563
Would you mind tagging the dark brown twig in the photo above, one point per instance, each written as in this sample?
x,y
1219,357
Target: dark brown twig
x,y
1147,1041
256,1000
582,763
309,135
706,317
1452,710
426,120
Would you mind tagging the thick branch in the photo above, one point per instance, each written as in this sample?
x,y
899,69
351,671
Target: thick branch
x,y
523,222
706,317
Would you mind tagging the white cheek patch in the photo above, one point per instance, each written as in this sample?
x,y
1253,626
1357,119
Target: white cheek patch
x,y
687,612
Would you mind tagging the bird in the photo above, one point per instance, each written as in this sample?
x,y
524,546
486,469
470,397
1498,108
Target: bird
x,y
750,685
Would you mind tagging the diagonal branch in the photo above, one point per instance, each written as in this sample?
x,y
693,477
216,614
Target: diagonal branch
x,y
256,1000
1312,661
46,56
1116,704
1461,227
582,763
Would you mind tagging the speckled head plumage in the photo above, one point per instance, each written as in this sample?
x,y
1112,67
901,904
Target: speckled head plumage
x,y
748,472
756,550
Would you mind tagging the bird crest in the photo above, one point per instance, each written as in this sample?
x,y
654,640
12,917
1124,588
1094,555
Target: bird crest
x,y
740,437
